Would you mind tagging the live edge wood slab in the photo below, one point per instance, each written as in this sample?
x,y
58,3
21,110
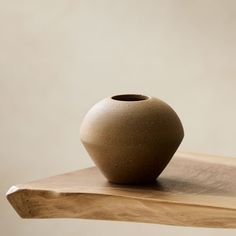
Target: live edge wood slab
x,y
194,190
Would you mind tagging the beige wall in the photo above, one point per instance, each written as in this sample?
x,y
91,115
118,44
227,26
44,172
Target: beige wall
x,y
57,58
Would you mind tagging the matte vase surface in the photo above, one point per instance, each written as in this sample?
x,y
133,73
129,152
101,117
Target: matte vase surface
x,y
131,137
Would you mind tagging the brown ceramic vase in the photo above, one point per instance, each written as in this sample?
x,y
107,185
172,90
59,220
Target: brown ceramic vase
x,y
131,137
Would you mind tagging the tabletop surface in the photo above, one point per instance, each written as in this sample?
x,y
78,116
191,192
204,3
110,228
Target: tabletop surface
x,y
193,190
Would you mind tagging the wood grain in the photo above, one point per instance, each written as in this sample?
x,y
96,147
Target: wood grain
x,y
194,190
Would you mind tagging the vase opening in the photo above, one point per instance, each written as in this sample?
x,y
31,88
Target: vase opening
x,y
130,97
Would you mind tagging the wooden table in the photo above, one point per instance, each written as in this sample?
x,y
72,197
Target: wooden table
x,y
194,190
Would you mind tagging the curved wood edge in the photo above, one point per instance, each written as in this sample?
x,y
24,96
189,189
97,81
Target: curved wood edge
x,y
222,202
50,204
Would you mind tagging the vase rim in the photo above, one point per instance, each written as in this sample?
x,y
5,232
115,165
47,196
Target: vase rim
x,y
129,97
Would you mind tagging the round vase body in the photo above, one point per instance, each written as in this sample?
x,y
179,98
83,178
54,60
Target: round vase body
x,y
131,138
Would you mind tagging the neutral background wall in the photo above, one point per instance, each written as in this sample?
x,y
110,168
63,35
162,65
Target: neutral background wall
x,y
57,58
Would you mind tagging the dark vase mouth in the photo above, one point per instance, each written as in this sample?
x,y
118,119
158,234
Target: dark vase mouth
x,y
130,97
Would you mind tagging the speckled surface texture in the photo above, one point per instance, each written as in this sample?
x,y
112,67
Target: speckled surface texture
x,y
131,137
